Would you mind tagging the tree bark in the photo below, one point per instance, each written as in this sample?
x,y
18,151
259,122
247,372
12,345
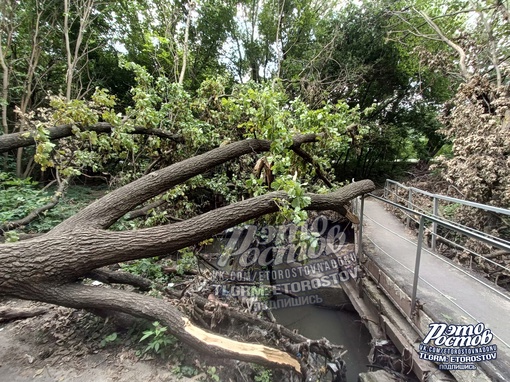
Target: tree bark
x,y
64,254
150,308
9,314
120,277
7,26
15,140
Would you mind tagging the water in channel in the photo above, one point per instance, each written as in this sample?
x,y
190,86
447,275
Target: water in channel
x,y
338,326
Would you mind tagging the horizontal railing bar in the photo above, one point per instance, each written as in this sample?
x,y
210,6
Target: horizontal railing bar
x,y
451,222
459,245
486,207
405,200
418,209
448,225
474,253
441,258
487,235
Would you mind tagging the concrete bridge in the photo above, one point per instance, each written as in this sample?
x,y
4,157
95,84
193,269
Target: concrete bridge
x,y
448,323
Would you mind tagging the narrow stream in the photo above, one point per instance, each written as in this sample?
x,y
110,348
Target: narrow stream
x,y
340,327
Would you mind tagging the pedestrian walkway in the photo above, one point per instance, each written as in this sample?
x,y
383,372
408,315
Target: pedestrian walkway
x,y
448,292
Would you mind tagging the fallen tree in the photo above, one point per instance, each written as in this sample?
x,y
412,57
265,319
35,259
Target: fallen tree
x,y
47,268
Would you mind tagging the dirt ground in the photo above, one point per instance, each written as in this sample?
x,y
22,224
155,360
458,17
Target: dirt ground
x,y
68,345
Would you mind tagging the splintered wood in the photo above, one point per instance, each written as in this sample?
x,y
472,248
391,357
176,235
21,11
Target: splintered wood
x,y
268,354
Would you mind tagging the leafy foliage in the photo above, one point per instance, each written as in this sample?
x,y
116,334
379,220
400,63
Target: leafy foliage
x,y
159,341
213,376
149,268
263,375
187,261
477,124
111,338
18,197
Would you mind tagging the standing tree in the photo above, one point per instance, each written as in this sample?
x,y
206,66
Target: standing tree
x,y
470,41
7,30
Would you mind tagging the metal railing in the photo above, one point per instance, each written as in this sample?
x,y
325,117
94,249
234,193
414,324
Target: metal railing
x,y
391,190
420,216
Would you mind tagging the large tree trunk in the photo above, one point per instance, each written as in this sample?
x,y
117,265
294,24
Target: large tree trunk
x,y
46,268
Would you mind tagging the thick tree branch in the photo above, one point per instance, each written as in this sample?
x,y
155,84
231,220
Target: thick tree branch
x,y
23,139
308,158
163,239
120,277
107,210
153,309
68,255
325,348
9,313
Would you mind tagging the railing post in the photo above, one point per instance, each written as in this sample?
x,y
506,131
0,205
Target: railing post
x,y
360,228
435,213
417,263
386,189
409,205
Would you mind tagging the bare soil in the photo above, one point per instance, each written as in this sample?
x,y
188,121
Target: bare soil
x,y
66,345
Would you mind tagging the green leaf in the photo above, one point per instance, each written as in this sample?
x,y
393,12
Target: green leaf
x,y
146,334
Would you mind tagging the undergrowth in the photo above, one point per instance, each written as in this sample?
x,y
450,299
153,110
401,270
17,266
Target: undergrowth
x,y
19,197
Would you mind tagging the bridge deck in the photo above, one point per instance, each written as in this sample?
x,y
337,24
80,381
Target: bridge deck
x,y
449,294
